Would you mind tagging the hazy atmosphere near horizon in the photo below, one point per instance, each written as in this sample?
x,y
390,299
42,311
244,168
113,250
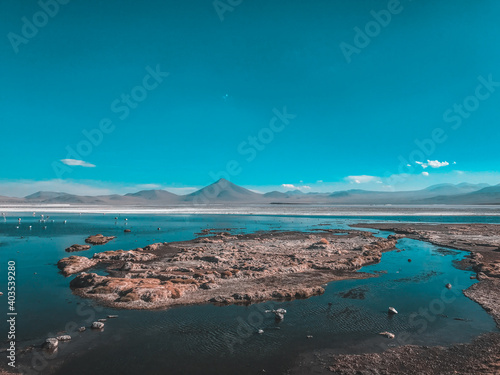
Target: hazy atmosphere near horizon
x,y
362,99
220,187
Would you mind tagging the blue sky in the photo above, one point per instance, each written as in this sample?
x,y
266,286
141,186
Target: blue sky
x,y
318,117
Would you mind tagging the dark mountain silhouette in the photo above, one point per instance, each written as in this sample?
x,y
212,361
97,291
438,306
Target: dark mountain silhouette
x,y
155,195
487,195
226,192
223,191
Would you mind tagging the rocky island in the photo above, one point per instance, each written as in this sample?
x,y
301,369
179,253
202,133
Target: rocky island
x,y
223,268
99,239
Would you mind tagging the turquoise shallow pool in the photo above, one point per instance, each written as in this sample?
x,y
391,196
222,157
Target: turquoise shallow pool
x,y
209,339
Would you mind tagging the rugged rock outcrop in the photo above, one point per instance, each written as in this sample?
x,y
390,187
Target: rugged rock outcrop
x,y
99,239
77,247
225,269
75,264
51,344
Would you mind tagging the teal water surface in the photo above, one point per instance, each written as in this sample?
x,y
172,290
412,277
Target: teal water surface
x,y
208,339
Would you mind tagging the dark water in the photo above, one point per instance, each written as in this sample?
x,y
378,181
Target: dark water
x,y
208,339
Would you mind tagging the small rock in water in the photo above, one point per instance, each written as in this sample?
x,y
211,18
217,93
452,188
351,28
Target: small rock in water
x,y
409,260
279,314
309,336
97,325
101,320
127,231
260,331
448,286
64,338
112,316
81,329
51,344
392,310
77,247
1,294
389,335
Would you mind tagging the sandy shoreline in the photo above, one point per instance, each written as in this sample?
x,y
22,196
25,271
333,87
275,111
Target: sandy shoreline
x,y
265,210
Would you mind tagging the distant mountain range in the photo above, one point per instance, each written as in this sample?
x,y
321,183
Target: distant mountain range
x,y
225,192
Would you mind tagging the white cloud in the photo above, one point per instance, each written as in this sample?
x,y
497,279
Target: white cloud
x,y
425,173
433,164
363,179
437,164
79,163
294,187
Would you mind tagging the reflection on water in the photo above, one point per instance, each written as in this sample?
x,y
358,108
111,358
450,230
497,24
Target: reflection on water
x,y
208,339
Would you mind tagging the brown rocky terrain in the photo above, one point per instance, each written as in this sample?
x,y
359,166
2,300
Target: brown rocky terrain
x,y
77,247
224,268
479,357
482,356
99,239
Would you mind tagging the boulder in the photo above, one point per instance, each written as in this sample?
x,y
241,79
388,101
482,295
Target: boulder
x,y
51,344
77,247
279,314
392,311
84,280
123,255
153,246
75,264
97,325
389,335
64,338
99,239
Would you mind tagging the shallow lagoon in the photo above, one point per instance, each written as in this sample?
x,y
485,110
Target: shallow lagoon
x,y
211,339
